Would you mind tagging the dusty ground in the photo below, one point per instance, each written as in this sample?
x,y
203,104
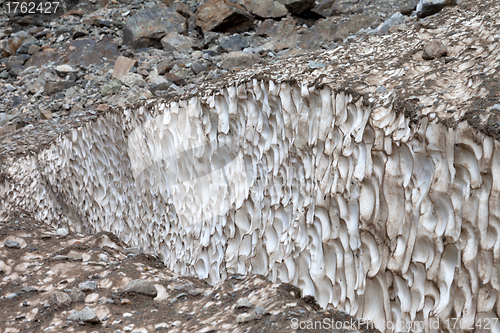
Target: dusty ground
x,y
43,265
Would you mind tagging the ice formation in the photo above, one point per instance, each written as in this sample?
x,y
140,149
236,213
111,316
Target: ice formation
x,y
384,205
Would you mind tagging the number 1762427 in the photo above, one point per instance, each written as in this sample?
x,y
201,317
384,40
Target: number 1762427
x,y
25,7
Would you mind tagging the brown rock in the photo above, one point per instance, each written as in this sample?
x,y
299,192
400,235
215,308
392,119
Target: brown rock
x,y
122,66
33,49
103,107
284,34
148,26
54,87
46,114
264,8
175,79
434,49
223,16
91,51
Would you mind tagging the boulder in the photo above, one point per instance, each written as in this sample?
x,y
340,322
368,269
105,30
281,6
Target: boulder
x,y
264,8
239,59
148,26
143,287
431,7
223,16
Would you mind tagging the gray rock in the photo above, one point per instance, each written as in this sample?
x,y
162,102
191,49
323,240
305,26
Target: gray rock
x,y
54,87
233,43
381,90
62,299
430,7
264,8
198,67
245,317
16,70
261,311
434,49
4,119
148,26
77,295
12,244
62,232
88,286
243,304
133,79
297,7
143,287
395,19
223,16
239,59
28,289
177,41
11,296
496,107
87,315
64,69
314,65
283,34
27,43
10,87
110,88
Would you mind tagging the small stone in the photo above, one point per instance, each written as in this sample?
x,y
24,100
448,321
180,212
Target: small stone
x,y
127,314
77,295
88,286
11,296
143,287
64,69
28,289
110,88
60,257
10,87
133,79
243,303
496,107
45,114
122,67
87,315
260,311
313,64
62,299
381,90
103,108
434,49
177,41
75,256
245,317
125,301
12,244
92,298
62,232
